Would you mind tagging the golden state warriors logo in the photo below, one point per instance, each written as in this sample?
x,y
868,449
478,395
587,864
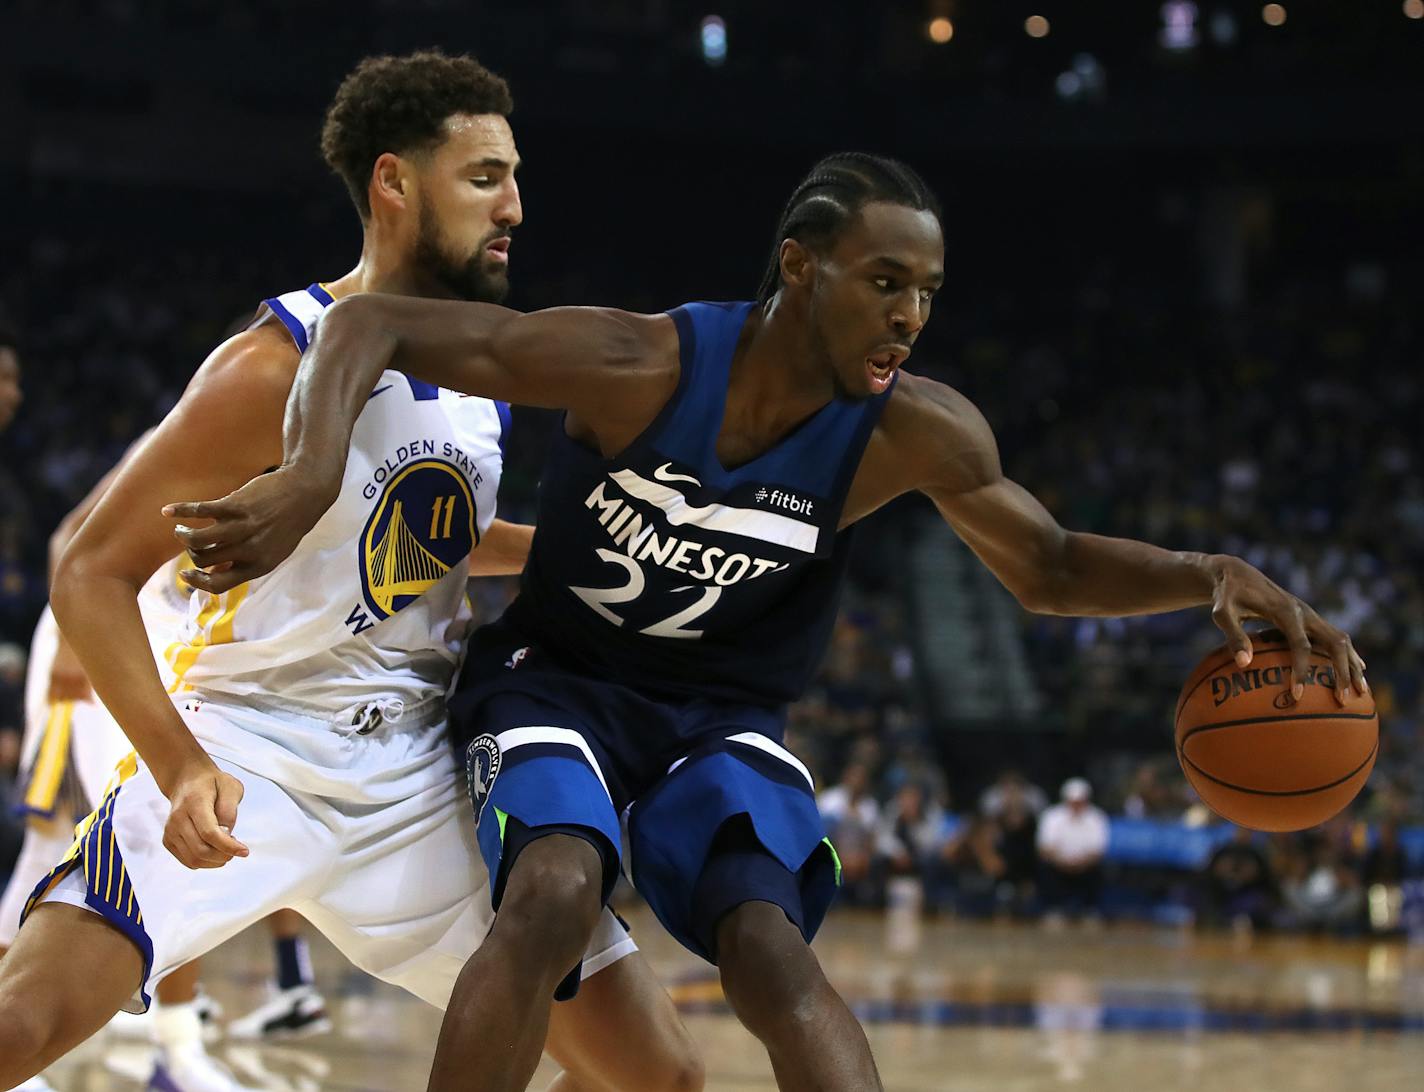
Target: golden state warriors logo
x,y
421,528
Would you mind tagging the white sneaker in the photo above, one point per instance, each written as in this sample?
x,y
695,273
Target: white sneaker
x,y
190,1069
291,1014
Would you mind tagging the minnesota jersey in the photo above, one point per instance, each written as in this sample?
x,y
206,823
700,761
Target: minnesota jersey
x,y
372,602
663,570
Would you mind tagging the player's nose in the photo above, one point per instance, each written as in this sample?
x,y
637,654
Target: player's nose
x,y
510,212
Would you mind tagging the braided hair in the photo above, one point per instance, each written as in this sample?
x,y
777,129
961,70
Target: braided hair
x,y
829,197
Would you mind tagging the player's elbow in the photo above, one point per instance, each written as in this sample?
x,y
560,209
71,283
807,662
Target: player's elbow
x,y
1045,585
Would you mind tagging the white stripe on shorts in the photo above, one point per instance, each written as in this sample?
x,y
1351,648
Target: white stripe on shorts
x,y
521,737
771,747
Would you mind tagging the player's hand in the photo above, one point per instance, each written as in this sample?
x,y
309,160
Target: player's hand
x,y
1243,592
67,679
203,801
253,530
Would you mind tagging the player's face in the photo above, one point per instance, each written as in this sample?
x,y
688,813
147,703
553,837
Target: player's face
x,y
873,292
10,394
470,207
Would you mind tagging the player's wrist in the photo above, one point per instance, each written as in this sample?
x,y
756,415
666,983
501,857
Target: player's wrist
x,y
189,763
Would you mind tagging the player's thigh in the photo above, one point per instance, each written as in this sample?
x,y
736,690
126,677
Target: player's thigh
x,y
736,822
408,900
119,869
622,1031
45,843
67,973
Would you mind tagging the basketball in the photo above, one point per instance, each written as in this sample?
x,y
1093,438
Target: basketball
x,y
1262,761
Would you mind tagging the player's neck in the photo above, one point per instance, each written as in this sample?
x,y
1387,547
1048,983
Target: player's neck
x,y
777,367
379,272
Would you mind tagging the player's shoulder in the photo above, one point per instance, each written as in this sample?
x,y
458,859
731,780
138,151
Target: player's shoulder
x,y
260,360
931,422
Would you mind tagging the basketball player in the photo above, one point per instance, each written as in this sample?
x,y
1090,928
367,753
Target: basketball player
x,y
315,696
690,547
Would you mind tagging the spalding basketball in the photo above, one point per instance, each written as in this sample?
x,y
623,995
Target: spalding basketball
x,y
1262,760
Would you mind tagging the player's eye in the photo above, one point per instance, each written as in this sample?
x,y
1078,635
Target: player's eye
x,y
927,294
483,181
885,284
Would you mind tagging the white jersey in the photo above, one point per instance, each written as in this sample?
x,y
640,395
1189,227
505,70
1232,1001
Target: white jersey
x,y
371,606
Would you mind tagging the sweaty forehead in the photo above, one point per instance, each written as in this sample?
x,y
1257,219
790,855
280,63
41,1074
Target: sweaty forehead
x,y
911,236
475,137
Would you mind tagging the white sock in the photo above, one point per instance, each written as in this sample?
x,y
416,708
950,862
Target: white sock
x,y
176,1027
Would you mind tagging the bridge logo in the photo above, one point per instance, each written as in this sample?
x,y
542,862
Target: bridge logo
x,y
421,527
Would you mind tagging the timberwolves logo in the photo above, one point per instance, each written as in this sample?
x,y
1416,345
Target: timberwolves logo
x,y
482,760
421,528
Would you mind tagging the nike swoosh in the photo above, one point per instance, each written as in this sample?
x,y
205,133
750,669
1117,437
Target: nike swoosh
x,y
377,391
664,474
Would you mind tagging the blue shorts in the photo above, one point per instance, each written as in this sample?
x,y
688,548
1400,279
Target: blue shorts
x,y
546,748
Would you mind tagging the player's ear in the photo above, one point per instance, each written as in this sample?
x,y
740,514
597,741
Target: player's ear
x,y
389,185
797,263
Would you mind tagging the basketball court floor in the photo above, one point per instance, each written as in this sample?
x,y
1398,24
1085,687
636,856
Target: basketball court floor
x,y
958,1008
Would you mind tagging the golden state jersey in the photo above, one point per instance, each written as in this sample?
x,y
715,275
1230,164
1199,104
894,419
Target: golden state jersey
x,y
371,605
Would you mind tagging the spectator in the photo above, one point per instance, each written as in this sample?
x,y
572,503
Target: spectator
x,y
1237,885
910,840
1011,783
1151,798
1072,840
10,393
1325,894
980,869
1018,846
851,815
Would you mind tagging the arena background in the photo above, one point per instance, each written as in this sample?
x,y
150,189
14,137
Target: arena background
x,y
1185,277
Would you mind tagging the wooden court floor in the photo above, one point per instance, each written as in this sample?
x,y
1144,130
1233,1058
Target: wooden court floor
x,y
960,1008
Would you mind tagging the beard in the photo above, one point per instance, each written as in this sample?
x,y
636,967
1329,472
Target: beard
x,y
471,278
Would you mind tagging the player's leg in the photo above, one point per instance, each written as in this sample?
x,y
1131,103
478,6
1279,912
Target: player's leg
x,y
622,1032
730,852
67,973
294,1009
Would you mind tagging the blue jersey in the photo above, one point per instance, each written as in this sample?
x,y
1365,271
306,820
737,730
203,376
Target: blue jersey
x,y
664,571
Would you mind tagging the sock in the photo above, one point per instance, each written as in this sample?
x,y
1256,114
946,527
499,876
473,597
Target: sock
x,y
176,1027
293,963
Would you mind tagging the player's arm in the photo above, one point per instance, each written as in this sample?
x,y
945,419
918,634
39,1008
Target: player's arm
x,y
610,369
503,549
1055,571
67,681
225,429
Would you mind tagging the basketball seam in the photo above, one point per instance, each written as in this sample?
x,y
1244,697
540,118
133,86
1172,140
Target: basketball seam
x,y
1214,725
1280,792
1231,659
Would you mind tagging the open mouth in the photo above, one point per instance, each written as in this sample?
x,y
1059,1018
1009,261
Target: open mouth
x,y
882,364
498,250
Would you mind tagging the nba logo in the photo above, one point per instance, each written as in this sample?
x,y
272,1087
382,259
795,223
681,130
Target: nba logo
x,y
482,761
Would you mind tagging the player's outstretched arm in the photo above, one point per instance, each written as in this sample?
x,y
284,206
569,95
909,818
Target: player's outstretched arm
x,y
608,368
1055,571
225,428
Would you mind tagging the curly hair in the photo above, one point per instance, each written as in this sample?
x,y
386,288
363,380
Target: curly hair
x,y
399,104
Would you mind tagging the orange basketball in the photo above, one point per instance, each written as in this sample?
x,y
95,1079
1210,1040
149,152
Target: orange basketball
x,y
1263,761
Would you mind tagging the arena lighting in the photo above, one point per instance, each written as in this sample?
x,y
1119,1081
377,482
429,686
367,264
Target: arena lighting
x,y
1414,9
941,30
1273,14
1179,26
1036,26
714,40
1223,27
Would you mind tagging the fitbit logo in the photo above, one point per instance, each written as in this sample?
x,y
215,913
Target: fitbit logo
x,y
779,498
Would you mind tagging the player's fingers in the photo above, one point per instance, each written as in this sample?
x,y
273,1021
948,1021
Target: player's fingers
x,y
1338,646
1229,622
181,839
1294,629
217,582
223,553
209,509
1357,671
230,793
196,539
209,840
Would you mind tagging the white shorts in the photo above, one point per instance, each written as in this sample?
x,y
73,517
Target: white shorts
x,y
367,836
44,844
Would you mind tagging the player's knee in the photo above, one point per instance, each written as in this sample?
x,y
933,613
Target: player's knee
x,y
24,1033
768,971
556,884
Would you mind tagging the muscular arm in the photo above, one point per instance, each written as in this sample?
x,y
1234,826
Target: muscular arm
x,y
224,430
1052,570
603,365
503,549
611,370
